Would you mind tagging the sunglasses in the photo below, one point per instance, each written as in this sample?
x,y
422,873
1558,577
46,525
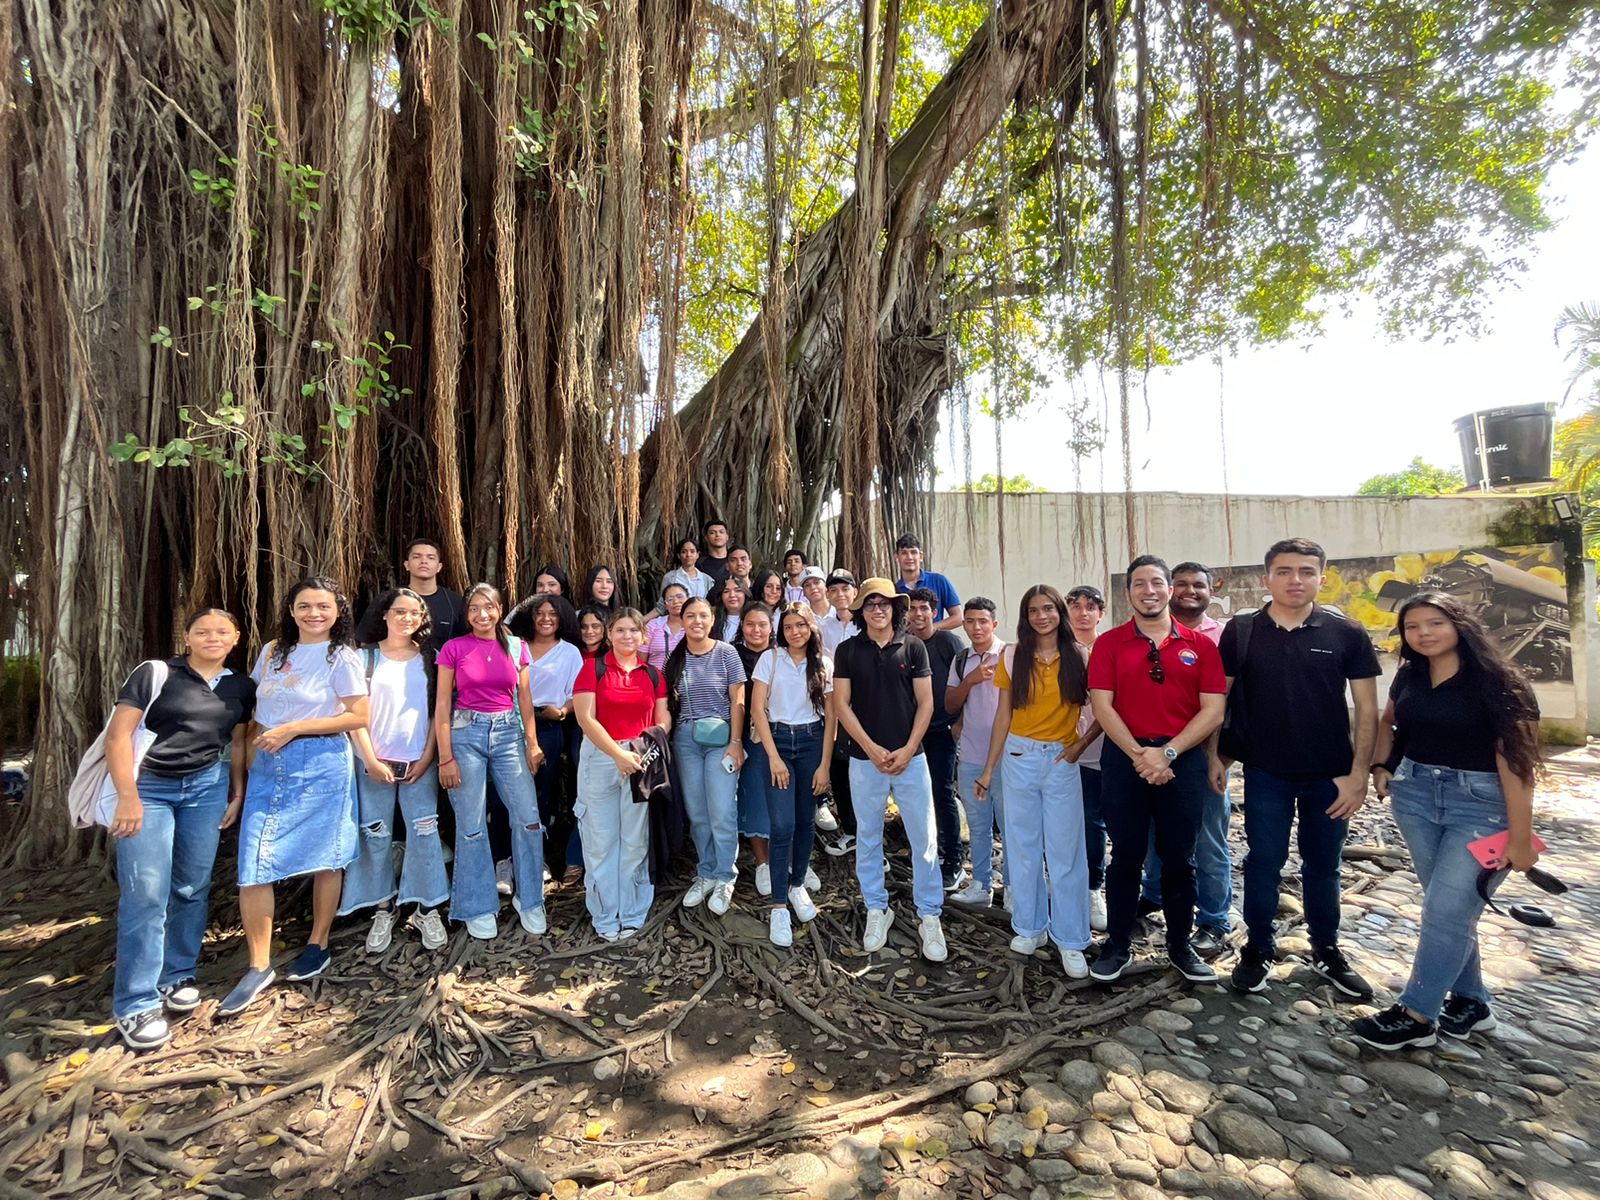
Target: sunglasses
x,y
1158,673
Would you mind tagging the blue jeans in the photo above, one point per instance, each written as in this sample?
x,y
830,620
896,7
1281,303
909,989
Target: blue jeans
x,y
940,750
616,845
792,810
164,876
1213,867
754,822
985,814
1270,804
484,745
1439,811
1132,808
1044,829
1094,826
913,794
711,799
371,878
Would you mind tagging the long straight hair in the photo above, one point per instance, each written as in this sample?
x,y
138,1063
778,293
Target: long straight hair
x,y
1502,682
1072,673
493,593
780,645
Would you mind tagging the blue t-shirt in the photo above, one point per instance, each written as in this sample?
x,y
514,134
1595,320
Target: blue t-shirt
x,y
941,587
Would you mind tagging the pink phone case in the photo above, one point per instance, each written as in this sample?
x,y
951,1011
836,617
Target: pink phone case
x,y
1491,851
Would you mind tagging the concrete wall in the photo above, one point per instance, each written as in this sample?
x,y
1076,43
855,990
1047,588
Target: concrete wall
x,y
1070,538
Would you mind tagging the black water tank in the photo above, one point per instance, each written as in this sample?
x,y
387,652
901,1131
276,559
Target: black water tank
x,y
1516,444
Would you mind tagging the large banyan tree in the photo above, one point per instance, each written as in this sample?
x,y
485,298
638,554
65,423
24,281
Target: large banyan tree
x,y
285,282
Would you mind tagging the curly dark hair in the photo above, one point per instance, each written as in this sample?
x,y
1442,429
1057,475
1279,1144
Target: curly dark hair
x,y
1503,683
521,619
342,633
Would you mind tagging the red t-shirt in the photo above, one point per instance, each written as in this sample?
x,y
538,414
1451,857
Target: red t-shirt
x,y
1120,663
624,701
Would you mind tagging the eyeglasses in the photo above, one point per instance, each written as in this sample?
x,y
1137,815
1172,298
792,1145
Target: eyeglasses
x,y
1158,673
876,602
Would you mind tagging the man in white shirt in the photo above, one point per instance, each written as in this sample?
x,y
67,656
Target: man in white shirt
x,y
840,623
836,627
971,692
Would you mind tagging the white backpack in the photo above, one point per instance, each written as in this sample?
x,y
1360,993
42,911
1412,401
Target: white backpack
x,y
92,796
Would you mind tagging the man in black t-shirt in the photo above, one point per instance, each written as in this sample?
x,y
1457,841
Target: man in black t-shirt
x,y
422,564
1288,672
939,743
714,561
883,698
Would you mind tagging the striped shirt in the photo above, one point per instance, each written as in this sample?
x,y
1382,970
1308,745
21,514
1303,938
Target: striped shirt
x,y
703,686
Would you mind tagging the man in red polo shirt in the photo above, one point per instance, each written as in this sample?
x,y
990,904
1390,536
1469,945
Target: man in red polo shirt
x,y
1157,689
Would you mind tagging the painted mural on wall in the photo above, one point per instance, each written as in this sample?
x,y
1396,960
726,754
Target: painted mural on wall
x,y
1518,592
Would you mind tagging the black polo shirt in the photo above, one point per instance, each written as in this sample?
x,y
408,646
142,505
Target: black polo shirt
x,y
1297,720
882,694
192,720
942,649
1455,724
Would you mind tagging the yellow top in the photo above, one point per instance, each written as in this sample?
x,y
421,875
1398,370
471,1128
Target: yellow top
x,y
1047,718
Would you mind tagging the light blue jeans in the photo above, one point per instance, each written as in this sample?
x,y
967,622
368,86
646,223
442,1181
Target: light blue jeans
x,y
870,789
1213,866
711,799
985,814
164,876
1044,829
486,744
1439,811
616,845
371,878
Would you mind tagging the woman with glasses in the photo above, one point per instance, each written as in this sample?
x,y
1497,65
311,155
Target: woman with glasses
x,y
666,631
1457,756
397,749
1043,686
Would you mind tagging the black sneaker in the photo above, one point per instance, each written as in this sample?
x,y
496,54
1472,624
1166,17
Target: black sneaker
x,y
1463,1015
1112,961
1330,963
1393,1029
1190,965
1250,975
313,961
1147,907
144,1030
1209,942
840,846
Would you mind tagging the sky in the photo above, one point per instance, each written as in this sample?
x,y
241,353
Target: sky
x,y
1319,416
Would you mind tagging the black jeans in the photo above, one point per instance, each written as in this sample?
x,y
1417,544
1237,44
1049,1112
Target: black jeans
x,y
940,747
1131,808
839,785
1094,826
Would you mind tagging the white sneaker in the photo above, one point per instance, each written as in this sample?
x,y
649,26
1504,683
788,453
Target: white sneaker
x,y
533,920
932,934
1074,964
432,929
812,882
826,821
1097,911
721,898
800,901
382,931
1006,899
484,927
973,894
764,879
778,928
1027,945
839,846
698,891
502,877
877,932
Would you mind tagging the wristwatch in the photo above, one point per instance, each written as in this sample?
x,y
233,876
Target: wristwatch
x,y
1172,755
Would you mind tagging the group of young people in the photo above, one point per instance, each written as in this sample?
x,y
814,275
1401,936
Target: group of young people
x,y
773,706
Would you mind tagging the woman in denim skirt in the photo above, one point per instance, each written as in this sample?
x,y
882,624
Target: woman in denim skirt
x,y
1043,683
300,808
397,751
1457,756
484,721
172,802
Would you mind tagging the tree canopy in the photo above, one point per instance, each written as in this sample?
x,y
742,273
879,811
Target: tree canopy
x,y
291,282
1420,478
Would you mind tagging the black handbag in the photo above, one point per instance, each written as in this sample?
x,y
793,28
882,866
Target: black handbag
x,y
1233,738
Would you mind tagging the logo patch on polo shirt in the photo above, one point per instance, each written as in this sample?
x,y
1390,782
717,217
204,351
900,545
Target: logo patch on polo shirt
x,y
1188,657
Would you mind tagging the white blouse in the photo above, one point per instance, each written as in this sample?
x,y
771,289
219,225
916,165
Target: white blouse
x,y
788,697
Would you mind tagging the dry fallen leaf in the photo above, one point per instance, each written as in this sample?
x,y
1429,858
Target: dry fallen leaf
x,y
823,1085
788,1068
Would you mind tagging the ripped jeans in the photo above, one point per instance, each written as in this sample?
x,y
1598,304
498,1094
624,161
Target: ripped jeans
x,y
491,745
371,879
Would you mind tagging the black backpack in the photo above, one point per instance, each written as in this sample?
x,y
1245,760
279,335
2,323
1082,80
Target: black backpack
x,y
1234,736
650,672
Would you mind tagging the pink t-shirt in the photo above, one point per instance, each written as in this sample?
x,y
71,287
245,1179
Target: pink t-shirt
x,y
486,681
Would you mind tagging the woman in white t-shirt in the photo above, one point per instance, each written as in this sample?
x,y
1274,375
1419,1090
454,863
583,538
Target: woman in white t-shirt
x,y
795,724
300,805
398,749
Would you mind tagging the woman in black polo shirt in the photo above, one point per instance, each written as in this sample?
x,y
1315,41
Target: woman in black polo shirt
x,y
1458,750
172,800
